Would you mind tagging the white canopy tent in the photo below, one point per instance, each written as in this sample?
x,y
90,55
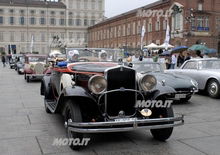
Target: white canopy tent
x,y
151,46
164,46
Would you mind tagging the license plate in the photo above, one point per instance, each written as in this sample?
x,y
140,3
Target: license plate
x,y
125,119
179,96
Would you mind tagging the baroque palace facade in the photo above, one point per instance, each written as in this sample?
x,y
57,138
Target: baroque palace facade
x,y
27,25
190,22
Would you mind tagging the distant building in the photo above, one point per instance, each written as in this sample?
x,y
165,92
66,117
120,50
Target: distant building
x,y
46,21
191,21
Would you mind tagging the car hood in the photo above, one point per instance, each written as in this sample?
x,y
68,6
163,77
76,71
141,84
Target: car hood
x,y
173,80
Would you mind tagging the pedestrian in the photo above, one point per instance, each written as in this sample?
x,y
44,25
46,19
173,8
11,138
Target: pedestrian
x,y
180,59
167,62
3,60
173,61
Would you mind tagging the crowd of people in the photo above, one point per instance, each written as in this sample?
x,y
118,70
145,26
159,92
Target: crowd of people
x,y
170,61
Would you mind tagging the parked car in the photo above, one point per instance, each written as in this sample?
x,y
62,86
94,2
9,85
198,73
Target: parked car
x,y
19,65
35,66
184,86
205,71
97,95
13,61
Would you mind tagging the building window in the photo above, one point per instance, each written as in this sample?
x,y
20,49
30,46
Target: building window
x,y
62,21
42,12
70,22
85,4
12,36
85,22
78,22
193,24
61,12
22,12
52,13
11,11
1,36
177,18
199,22
1,20
32,12
70,35
92,22
93,4
11,20
32,20
149,27
164,24
100,5
157,26
134,28
206,21
43,36
22,36
200,6
1,11
78,4
42,21
21,20
52,21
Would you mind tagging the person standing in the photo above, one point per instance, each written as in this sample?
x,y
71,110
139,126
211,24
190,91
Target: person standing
x,y
180,59
173,61
3,60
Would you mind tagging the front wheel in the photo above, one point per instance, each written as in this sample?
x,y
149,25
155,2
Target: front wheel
x,y
213,88
162,134
72,113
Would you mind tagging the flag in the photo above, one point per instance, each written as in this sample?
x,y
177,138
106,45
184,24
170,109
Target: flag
x,y
142,35
167,39
32,43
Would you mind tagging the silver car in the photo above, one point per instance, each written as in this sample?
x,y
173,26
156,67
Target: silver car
x,y
205,71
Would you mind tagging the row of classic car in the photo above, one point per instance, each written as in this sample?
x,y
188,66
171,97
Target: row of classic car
x,y
97,93
33,66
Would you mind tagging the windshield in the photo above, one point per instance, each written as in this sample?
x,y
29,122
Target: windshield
x,y
37,59
93,55
147,67
210,64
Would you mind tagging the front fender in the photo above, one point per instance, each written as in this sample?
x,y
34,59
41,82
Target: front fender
x,y
44,85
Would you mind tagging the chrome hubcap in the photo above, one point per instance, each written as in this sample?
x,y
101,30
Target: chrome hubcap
x,y
213,88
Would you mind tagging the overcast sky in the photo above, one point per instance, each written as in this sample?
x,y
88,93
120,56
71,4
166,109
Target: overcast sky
x,y
115,7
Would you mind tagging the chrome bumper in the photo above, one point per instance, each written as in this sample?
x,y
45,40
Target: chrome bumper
x,y
103,127
35,75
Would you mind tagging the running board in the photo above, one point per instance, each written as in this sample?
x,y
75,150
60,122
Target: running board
x,y
51,104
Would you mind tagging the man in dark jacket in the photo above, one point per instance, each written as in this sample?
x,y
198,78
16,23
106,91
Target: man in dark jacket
x,y
3,60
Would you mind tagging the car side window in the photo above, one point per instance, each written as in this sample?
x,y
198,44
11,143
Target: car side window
x,y
190,65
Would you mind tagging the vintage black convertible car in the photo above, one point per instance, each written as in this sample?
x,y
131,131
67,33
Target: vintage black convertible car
x,y
184,86
96,94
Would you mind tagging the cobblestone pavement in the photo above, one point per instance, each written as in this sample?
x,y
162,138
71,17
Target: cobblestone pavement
x,y
27,130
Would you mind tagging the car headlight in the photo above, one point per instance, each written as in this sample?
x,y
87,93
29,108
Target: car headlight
x,y
147,82
97,84
194,83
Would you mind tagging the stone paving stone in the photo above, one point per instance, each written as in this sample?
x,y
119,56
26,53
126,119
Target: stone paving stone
x,y
14,120
209,145
19,146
